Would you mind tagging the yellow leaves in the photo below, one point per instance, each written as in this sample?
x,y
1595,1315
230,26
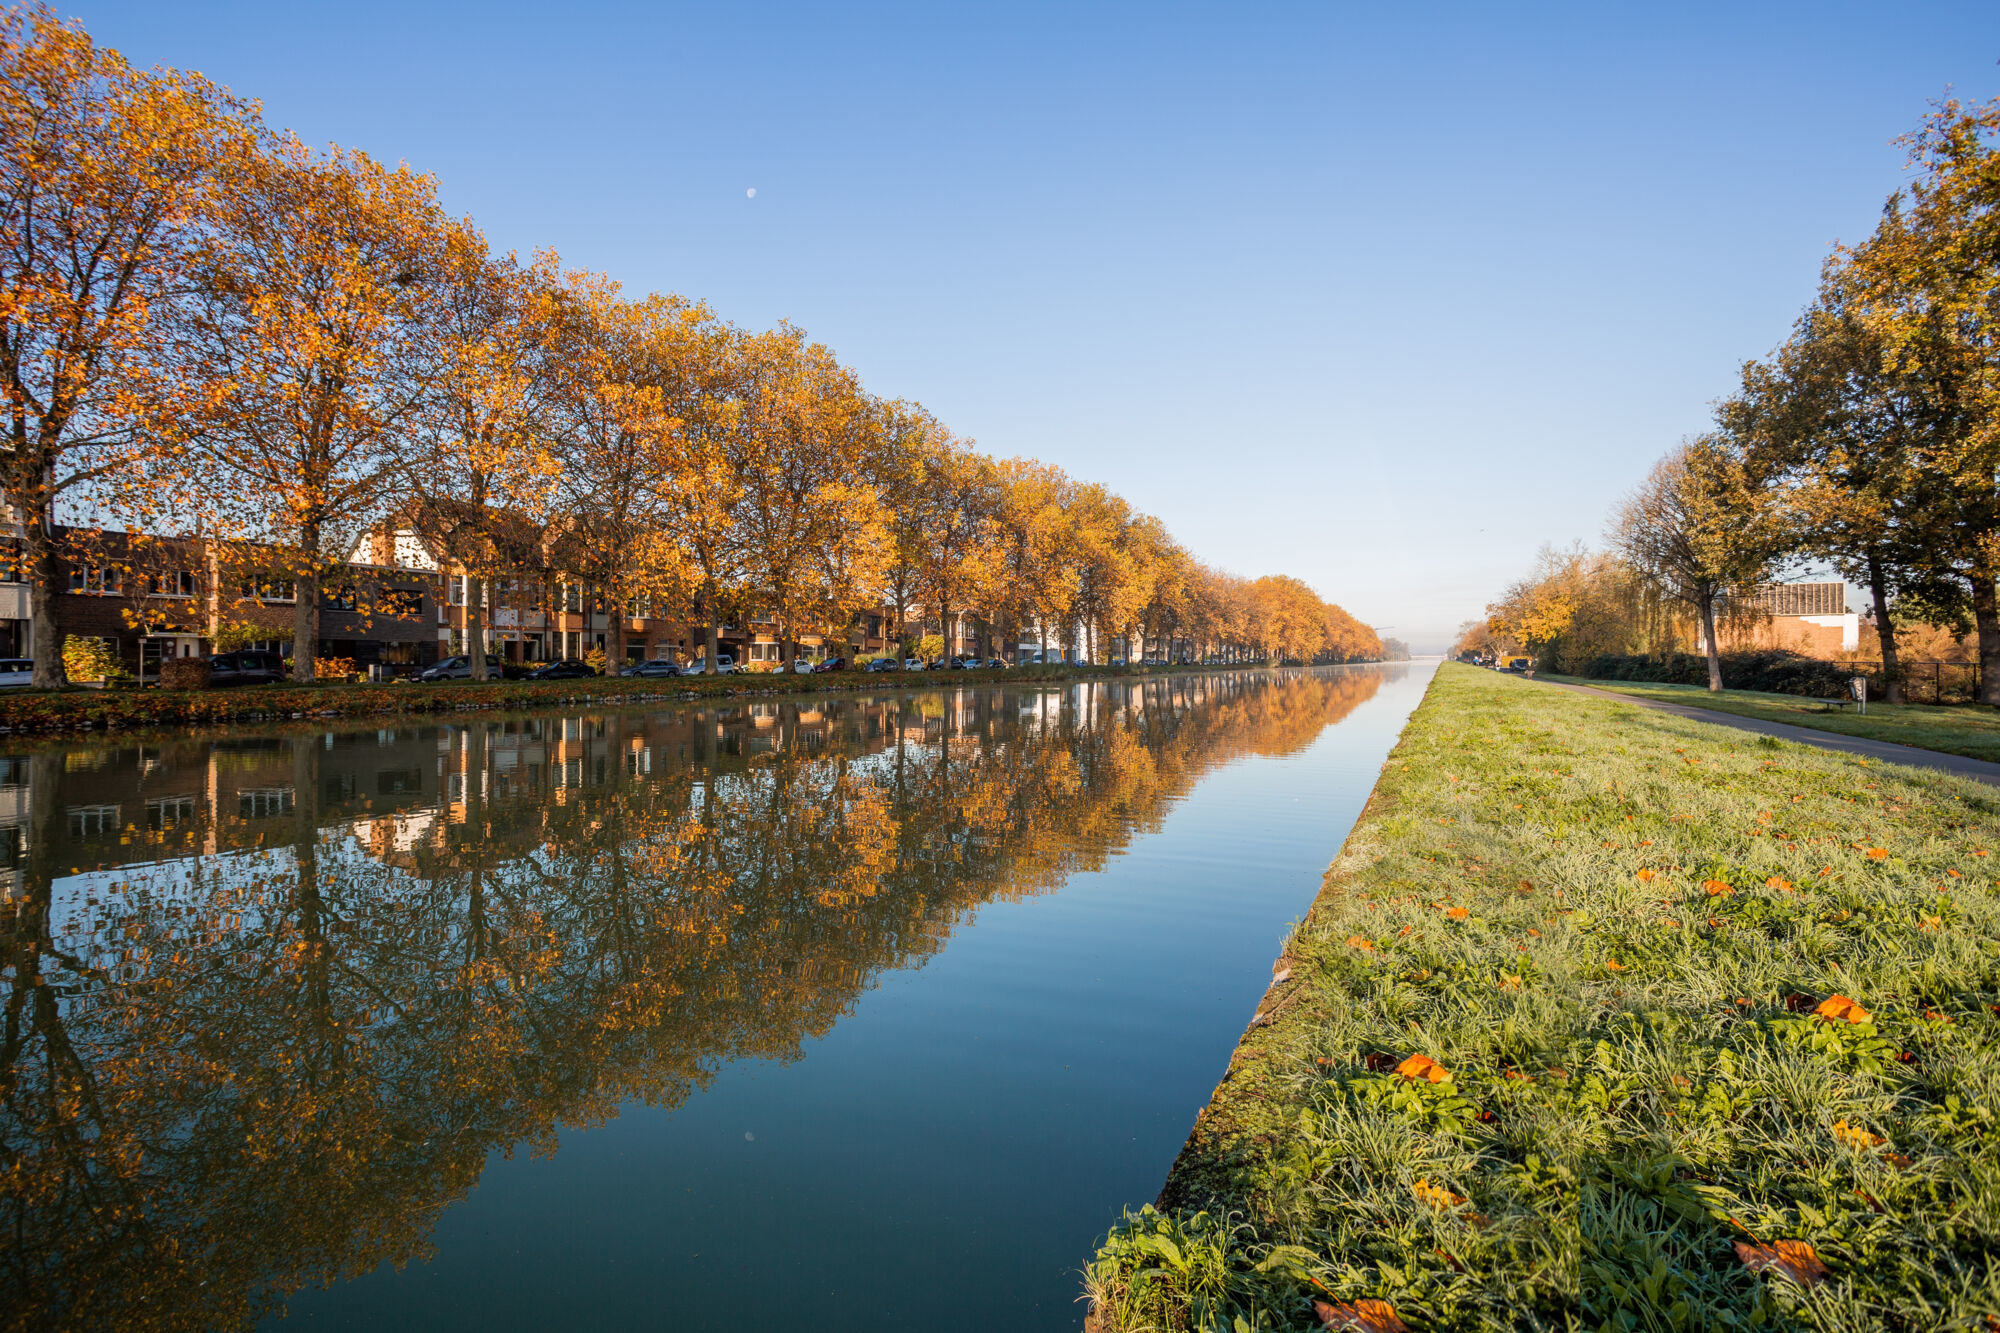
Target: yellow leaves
x,y
1423,1069
1930,921
1793,1259
1435,1195
1716,888
1456,913
1878,853
1648,876
1852,1137
1613,965
1358,942
1779,883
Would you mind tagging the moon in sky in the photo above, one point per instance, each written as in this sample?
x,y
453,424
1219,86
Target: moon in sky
x,y
750,193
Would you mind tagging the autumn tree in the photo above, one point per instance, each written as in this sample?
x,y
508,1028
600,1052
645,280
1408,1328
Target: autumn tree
x,y
803,445
1696,533
110,176
306,324
1036,580
620,453
484,480
1928,286
956,509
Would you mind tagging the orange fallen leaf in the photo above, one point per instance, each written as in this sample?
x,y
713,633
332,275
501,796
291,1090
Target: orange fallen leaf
x,y
1422,1067
1363,1316
1509,982
1788,1258
1534,934
1436,1195
1356,942
1854,1136
1840,1009
1455,913
1928,921
1878,853
1778,882
1717,888
1646,875
1613,965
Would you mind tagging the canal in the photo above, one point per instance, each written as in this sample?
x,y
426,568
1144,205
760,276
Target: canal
x,y
841,1012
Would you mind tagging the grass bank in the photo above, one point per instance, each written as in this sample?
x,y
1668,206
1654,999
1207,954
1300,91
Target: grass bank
x,y
38,712
1605,1018
1967,729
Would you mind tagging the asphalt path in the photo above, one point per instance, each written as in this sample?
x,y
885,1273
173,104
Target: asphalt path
x,y
1888,752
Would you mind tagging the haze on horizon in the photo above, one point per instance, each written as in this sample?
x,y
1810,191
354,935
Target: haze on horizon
x,y
1383,301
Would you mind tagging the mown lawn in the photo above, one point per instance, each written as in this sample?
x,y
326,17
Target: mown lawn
x,y
1608,1019
1968,729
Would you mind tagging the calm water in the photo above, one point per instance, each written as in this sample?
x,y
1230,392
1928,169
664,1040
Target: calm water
x,y
853,1013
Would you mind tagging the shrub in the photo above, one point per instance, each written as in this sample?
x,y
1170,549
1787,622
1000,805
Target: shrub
x,y
91,659
1773,671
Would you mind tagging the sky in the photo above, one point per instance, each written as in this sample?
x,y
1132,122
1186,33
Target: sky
x,y
1380,296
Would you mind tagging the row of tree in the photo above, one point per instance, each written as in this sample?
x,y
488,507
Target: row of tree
x,y
209,329
1868,442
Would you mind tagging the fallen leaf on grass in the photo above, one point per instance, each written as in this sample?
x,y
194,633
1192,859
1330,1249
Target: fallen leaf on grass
x,y
1422,1067
1436,1195
1364,1316
1853,1136
1788,1258
1646,876
1777,882
1356,942
1878,853
1840,1009
1716,888
1456,913
1930,922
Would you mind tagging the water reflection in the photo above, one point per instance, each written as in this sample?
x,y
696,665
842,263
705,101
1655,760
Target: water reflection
x,y
270,1000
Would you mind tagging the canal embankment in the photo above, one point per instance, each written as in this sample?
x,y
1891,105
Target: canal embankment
x,y
1603,1013
38,712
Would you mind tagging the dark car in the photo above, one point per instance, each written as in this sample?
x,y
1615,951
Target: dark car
x,y
459,668
994,664
658,666
832,664
885,664
247,667
567,669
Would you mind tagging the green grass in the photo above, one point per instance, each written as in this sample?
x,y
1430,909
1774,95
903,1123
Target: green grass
x,y
1639,1077
1967,729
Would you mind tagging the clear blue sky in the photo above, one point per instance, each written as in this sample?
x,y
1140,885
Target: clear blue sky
x,y
1378,296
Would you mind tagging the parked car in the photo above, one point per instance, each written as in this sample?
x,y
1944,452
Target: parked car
x,y
246,667
567,669
460,668
658,666
724,662
802,666
16,671
913,664
994,664
885,664
832,664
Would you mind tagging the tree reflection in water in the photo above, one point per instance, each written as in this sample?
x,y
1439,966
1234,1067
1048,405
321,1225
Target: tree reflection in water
x,y
269,1001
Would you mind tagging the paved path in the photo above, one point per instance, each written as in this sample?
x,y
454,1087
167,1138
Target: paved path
x,y
1985,770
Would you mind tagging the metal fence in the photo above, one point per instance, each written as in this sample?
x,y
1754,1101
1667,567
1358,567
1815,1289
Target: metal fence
x,y
1926,682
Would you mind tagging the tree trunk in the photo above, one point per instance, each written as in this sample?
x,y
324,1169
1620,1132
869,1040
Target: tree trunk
x,y
1706,605
475,625
1892,670
614,659
713,633
40,557
305,609
1986,615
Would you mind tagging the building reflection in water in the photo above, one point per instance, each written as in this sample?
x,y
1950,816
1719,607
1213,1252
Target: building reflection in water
x,y
270,1000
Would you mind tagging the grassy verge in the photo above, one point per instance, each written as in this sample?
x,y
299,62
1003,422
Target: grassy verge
x,y
1566,1041
47,711
1967,729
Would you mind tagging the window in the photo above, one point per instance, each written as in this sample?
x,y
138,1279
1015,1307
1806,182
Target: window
x,y
92,821
404,602
10,564
338,599
169,812
262,589
457,592
96,580
261,803
179,584
573,599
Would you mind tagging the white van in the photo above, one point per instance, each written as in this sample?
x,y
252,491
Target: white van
x,y
16,671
